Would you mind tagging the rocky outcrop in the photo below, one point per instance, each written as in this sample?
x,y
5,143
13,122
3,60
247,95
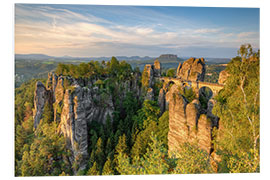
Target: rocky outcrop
x,y
192,116
188,123
192,70
40,98
76,103
150,94
223,75
80,108
178,130
157,69
162,100
148,74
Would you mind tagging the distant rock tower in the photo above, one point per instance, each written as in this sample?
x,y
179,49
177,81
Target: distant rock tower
x,y
157,68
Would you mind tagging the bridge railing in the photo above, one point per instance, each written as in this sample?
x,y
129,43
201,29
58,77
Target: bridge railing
x,y
199,82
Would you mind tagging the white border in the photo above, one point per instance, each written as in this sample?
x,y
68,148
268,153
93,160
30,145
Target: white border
x,y
7,82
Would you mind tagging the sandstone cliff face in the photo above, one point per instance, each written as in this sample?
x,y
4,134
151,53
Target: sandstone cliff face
x,y
150,94
157,68
40,98
148,69
162,101
76,103
192,70
223,75
178,130
187,123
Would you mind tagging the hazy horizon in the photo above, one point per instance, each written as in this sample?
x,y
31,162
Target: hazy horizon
x,y
98,31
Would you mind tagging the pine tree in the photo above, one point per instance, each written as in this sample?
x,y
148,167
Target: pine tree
x,y
93,170
100,157
108,169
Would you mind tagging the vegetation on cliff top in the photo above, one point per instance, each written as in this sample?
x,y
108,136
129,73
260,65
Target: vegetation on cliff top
x,y
134,140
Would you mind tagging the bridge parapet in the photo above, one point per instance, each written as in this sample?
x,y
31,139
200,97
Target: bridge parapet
x,y
196,85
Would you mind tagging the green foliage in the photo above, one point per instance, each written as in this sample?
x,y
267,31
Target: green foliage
x,y
163,128
239,108
99,155
122,145
45,153
93,171
151,163
108,168
192,160
204,95
171,72
188,93
151,111
26,70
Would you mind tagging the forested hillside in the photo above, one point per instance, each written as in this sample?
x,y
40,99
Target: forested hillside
x,y
103,119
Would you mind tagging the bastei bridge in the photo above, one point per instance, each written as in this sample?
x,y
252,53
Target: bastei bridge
x,y
196,85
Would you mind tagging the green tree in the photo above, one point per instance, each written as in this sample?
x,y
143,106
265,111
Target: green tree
x,y
153,162
238,106
108,168
192,160
93,170
99,154
163,128
171,72
45,156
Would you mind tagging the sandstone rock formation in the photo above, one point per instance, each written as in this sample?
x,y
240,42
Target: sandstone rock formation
x,y
150,94
223,75
191,70
188,123
157,68
178,130
162,100
76,103
40,98
148,73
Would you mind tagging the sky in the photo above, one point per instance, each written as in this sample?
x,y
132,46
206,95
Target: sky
x,y
93,31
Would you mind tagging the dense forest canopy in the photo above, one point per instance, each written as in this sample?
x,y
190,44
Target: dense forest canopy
x,y
135,139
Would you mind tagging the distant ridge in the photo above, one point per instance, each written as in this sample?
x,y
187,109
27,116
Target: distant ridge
x,y
163,58
41,57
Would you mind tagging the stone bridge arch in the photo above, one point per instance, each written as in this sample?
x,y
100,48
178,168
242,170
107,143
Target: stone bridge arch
x,y
196,85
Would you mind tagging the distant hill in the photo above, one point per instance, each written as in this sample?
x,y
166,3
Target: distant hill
x,y
164,58
33,56
169,58
43,57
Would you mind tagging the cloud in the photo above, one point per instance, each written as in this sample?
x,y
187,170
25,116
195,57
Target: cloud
x,y
247,34
59,31
206,30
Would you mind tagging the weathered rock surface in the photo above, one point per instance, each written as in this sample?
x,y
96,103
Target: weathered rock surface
x,y
187,123
157,69
192,115
178,130
76,103
150,94
40,98
192,70
223,75
162,100
204,133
